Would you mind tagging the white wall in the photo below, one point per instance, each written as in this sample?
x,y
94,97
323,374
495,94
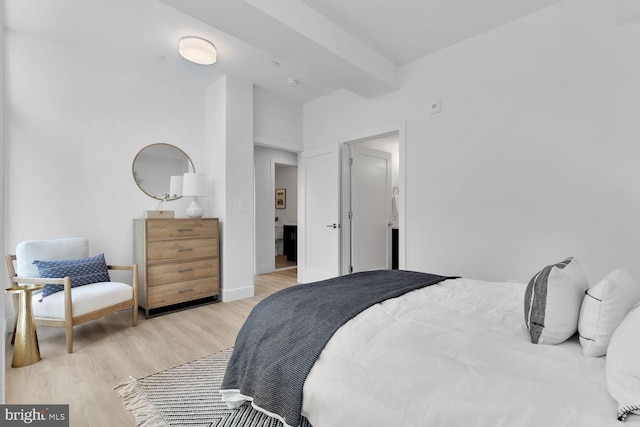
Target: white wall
x,y
534,156
229,125
2,302
238,249
73,128
277,122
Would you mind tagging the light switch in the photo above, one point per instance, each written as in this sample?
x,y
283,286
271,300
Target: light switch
x,y
435,106
242,206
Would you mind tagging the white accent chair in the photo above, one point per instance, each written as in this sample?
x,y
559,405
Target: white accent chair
x,y
72,306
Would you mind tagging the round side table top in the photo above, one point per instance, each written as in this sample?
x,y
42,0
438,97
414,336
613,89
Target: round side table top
x,y
24,288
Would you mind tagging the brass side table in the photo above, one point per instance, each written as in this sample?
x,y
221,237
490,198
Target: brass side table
x,y
26,350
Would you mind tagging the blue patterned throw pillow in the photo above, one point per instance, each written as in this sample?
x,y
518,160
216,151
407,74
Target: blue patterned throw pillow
x,y
82,271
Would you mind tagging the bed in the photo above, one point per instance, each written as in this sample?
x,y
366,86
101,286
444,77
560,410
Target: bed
x,y
453,352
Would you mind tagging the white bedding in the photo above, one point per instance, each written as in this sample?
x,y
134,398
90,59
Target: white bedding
x,y
454,354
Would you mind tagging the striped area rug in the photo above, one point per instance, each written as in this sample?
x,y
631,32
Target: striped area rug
x,y
187,395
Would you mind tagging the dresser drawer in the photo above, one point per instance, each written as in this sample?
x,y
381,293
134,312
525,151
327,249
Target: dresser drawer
x,y
181,249
178,262
158,229
162,274
159,296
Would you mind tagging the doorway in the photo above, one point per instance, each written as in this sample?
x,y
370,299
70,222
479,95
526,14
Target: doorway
x,y
286,216
324,246
276,204
373,203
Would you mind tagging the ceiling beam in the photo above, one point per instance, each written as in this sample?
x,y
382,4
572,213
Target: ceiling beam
x,y
294,32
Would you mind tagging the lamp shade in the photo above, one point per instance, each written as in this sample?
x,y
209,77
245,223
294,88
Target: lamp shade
x,y
198,50
194,184
175,186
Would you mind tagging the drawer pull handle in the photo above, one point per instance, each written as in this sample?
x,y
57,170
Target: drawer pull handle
x,y
186,270
185,250
182,291
185,229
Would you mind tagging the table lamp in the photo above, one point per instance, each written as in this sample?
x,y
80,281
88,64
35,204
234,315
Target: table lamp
x,y
194,185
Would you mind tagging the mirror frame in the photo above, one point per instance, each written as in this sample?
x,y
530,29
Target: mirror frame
x,y
133,166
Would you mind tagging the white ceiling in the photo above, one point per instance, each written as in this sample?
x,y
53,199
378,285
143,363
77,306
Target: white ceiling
x,y
405,30
324,44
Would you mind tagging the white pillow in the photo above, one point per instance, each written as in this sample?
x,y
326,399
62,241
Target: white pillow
x,y
623,365
48,250
603,308
552,302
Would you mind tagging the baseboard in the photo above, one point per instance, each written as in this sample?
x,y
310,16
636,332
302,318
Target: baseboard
x,y
229,295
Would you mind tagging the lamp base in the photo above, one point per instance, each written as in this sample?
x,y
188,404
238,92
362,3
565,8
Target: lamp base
x,y
194,210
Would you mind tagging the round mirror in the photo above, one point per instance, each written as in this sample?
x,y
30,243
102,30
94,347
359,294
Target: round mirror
x,y
154,166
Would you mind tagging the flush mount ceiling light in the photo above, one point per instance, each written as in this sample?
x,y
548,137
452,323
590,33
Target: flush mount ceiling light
x,y
197,50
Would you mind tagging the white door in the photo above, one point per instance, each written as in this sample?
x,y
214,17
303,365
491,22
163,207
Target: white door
x,y
264,227
371,188
319,214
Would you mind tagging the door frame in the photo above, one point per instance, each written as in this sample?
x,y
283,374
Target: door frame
x,y
269,205
363,136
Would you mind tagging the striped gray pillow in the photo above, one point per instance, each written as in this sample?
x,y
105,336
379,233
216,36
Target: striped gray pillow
x,y
552,302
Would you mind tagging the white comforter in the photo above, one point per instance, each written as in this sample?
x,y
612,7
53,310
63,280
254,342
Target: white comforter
x,y
454,354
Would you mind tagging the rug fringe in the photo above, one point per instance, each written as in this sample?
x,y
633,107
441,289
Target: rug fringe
x,y
137,402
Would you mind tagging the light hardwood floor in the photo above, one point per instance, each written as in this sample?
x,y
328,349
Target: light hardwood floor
x,y
283,262
108,351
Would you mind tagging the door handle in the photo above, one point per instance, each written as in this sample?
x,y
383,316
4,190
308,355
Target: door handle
x,y
334,225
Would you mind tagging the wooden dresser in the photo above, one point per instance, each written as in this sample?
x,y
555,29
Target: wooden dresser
x,y
178,262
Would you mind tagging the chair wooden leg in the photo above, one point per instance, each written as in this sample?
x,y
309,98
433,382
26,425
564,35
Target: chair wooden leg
x,y
68,332
135,315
